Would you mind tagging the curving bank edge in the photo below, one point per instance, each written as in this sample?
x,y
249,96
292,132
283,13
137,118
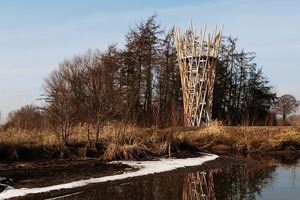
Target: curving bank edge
x,y
144,168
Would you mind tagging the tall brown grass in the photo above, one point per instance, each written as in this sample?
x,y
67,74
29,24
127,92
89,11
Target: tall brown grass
x,y
252,138
26,138
126,141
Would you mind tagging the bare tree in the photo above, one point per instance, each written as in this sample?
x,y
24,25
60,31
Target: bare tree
x,y
61,98
101,94
285,105
84,90
28,117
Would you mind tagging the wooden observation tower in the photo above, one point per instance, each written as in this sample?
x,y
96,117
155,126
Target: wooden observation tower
x,y
197,57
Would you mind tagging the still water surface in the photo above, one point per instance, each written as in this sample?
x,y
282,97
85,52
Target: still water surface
x,y
272,179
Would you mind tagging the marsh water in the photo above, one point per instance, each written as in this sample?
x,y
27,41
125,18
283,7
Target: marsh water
x,y
276,178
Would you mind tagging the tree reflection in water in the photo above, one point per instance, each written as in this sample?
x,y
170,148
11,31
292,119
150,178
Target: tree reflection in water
x,y
243,182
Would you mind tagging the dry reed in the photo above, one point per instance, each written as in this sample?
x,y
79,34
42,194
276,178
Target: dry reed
x,y
125,141
26,138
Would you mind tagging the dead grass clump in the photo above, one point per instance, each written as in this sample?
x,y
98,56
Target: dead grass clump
x,y
286,139
79,134
175,140
269,138
123,141
126,152
207,137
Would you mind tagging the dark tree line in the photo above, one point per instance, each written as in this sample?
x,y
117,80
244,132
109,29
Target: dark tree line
x,y
140,84
242,94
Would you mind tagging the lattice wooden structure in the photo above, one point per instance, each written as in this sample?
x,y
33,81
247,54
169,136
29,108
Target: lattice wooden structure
x,y
197,57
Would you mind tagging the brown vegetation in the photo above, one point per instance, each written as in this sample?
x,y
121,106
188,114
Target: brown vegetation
x,y
245,139
123,141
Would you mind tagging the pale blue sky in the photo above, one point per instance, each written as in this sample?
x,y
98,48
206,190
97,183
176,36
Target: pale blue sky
x,y
35,35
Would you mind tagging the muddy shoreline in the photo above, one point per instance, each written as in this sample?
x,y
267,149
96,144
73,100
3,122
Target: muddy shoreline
x,y
41,174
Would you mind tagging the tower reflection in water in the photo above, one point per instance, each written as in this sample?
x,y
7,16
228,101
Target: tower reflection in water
x,y
199,186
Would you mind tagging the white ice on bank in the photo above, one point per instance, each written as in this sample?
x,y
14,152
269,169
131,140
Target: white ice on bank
x,y
145,168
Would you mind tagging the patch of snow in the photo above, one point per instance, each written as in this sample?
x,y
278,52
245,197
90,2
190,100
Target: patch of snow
x,y
145,168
